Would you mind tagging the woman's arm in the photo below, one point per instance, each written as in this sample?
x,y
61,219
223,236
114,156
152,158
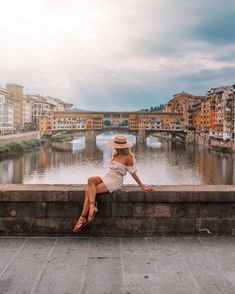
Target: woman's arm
x,y
130,162
137,179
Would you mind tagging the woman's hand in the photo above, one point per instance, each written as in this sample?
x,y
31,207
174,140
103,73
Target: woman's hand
x,y
147,189
143,187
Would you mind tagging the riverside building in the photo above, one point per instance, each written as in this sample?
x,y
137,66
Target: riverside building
x,y
7,104
27,109
211,117
183,103
64,121
222,112
17,92
41,105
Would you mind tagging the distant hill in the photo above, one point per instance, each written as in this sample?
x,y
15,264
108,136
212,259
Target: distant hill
x,y
153,108
150,109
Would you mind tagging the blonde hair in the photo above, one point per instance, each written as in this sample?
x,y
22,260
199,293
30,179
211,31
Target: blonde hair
x,y
123,151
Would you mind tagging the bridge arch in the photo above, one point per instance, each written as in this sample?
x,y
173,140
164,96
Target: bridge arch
x,y
170,134
107,123
141,135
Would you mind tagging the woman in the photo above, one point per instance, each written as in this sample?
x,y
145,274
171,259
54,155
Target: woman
x,y
121,162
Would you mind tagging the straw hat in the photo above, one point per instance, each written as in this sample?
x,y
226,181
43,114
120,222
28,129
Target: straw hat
x,y
119,142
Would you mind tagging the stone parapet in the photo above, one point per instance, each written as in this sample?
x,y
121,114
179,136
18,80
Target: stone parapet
x,y
168,210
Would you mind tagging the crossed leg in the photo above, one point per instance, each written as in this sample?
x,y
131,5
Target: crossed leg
x,y
95,186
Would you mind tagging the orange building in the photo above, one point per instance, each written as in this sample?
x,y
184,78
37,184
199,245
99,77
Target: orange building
x,y
183,103
197,117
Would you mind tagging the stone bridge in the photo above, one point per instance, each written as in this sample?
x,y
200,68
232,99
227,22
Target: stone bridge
x,y
141,135
93,124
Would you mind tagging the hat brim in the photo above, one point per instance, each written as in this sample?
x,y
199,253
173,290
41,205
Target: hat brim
x,y
111,143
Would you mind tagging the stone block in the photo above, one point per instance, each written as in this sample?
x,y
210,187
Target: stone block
x,y
104,197
172,196
122,209
23,209
33,209
57,209
30,226
221,210
217,225
104,209
17,226
217,196
55,196
185,209
21,196
9,209
101,227
136,196
118,196
54,226
175,226
76,196
151,210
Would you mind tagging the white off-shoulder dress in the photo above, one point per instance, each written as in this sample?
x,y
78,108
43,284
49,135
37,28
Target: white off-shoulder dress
x,y
113,180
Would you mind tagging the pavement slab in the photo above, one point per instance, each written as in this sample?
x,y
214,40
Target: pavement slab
x,y
109,265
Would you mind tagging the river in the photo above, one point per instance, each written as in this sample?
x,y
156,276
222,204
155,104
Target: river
x,y
158,163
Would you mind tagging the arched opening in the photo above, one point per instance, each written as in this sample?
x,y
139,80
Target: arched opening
x,y
102,139
124,124
107,123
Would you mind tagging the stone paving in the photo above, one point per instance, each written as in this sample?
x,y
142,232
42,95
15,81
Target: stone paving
x,y
83,265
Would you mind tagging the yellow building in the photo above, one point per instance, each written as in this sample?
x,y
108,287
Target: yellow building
x,y
62,121
17,91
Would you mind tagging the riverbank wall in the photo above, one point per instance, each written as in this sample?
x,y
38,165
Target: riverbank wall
x,y
209,141
168,210
19,137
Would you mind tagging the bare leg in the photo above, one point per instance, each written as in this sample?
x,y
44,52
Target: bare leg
x,y
96,187
101,188
86,205
92,183
82,221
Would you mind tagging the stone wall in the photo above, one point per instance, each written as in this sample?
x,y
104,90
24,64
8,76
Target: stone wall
x,y
169,210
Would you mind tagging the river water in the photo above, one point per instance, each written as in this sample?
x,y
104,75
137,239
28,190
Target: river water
x,y
158,163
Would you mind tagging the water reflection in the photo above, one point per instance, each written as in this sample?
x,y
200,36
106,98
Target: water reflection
x,y
157,163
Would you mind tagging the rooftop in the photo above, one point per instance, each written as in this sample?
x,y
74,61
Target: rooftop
x,y
117,265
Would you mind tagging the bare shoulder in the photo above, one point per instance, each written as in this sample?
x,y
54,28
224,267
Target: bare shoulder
x,y
129,160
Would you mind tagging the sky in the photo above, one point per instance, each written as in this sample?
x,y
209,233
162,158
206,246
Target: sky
x,y
117,54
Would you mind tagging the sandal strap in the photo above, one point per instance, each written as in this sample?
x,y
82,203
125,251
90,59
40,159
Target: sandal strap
x,y
93,202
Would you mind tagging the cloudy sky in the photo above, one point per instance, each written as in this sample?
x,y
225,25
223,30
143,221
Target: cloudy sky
x,y
117,54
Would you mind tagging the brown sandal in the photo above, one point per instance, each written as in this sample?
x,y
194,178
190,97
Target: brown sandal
x,y
82,221
92,212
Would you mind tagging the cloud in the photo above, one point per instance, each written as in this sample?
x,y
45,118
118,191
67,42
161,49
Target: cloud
x,y
106,54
